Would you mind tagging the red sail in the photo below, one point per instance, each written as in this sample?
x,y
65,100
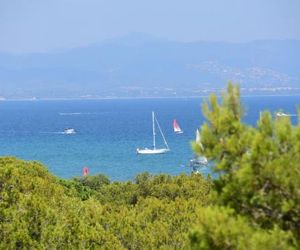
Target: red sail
x,y
85,171
176,127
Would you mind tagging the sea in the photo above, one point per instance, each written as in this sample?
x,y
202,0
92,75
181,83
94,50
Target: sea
x,y
109,132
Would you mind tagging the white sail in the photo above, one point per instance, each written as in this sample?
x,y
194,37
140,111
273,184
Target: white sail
x,y
198,139
198,161
155,150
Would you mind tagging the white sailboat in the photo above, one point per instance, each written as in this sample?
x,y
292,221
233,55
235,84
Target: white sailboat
x,y
155,150
176,127
198,161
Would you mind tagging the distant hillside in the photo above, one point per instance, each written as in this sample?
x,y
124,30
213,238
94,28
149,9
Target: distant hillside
x,y
139,65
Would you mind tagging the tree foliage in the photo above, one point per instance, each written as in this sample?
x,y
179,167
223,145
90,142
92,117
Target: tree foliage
x,y
220,228
38,210
259,166
37,213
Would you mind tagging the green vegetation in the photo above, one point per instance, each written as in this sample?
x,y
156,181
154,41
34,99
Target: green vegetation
x,y
260,166
254,204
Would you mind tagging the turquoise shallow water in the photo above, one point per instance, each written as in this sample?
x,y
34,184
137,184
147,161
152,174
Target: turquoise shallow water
x,y
109,131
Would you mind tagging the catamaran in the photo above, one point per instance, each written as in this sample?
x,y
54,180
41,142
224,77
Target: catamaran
x,y
177,129
155,150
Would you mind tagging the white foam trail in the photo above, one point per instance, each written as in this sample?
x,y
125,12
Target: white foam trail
x,y
78,113
70,113
57,133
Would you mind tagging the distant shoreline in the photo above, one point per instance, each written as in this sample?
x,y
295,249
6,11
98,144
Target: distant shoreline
x,y
134,98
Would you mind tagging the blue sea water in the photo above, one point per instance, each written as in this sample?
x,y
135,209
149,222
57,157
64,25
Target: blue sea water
x,y
109,131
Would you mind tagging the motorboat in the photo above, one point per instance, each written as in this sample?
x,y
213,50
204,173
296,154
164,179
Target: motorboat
x,y
69,131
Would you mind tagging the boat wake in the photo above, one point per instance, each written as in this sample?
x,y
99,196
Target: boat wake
x,y
70,113
67,131
55,133
76,113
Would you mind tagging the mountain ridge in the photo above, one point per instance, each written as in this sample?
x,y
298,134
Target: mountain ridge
x,y
145,66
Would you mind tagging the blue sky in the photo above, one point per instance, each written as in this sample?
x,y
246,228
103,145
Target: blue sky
x,y
41,25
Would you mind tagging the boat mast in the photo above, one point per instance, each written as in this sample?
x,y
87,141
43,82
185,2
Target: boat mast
x,y
153,130
162,134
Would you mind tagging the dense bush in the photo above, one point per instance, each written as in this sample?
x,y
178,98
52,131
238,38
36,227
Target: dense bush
x,y
36,212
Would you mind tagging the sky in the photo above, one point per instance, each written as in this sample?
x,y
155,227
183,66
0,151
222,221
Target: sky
x,y
43,25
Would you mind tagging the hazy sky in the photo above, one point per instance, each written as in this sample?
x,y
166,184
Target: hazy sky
x,y
38,25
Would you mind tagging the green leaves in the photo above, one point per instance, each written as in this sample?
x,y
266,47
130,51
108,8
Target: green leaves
x,y
220,228
37,212
260,165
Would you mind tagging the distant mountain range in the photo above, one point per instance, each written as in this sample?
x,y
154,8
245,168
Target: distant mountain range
x,y
139,65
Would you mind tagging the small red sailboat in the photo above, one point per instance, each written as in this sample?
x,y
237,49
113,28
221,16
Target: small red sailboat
x,y
177,129
85,171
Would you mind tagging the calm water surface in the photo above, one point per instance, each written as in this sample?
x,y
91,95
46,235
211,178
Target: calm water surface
x,y
109,131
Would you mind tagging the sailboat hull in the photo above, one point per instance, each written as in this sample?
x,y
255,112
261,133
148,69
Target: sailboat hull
x,y
147,151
